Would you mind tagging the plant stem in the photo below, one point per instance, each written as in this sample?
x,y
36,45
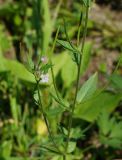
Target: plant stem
x,y
64,157
77,82
45,119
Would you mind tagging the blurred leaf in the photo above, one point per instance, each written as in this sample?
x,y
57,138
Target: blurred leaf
x,y
63,103
5,41
115,143
30,64
17,20
88,88
41,127
90,109
86,57
14,109
36,97
68,72
87,2
45,68
66,45
6,148
17,69
47,27
69,157
103,67
18,158
54,112
49,23
77,133
71,147
57,158
58,62
110,130
75,54
116,81
116,130
104,123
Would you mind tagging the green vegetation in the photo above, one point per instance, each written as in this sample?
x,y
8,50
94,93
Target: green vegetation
x,y
60,80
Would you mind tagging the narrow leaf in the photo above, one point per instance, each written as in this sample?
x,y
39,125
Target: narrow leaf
x,y
88,88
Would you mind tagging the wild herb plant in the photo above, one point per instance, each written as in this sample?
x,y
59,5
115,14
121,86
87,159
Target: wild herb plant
x,y
41,71
62,110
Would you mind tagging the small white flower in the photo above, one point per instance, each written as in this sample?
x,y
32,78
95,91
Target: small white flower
x,y
44,78
44,59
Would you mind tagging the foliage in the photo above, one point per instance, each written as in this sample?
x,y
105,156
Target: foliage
x,y
46,112
110,130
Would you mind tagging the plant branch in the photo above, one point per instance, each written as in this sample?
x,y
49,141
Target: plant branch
x,y
77,83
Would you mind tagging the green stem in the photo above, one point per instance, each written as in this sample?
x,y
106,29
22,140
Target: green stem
x,y
64,157
45,119
77,83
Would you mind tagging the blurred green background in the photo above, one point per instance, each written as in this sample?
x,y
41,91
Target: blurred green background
x,y
29,27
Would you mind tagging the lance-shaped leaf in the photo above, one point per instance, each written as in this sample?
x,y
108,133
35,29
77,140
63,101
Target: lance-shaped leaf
x,y
88,88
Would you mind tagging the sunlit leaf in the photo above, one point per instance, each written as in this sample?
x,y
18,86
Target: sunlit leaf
x,y
17,69
90,109
88,88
